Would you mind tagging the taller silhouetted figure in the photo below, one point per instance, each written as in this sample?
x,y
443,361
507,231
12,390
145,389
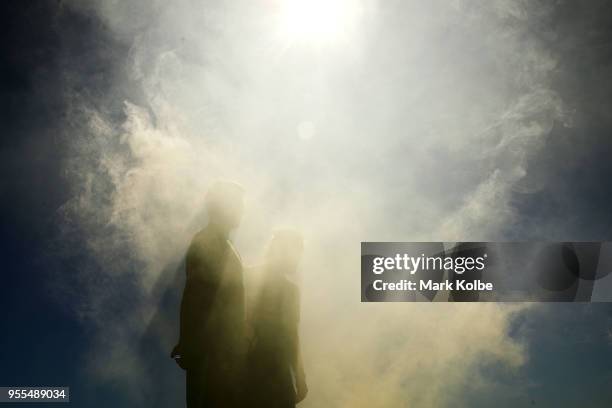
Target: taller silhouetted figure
x,y
211,347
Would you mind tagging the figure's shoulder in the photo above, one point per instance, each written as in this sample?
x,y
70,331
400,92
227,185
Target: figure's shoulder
x,y
202,236
205,242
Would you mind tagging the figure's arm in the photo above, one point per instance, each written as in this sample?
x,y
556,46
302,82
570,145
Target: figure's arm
x,y
196,304
300,375
298,364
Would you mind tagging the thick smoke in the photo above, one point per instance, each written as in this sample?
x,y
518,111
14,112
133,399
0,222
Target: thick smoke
x,y
417,123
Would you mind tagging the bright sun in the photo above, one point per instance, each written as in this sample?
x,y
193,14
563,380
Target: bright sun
x,y
315,20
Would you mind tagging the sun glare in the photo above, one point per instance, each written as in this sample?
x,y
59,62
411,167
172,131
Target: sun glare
x,y
315,20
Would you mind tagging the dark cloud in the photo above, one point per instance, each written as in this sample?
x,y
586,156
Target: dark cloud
x,y
574,167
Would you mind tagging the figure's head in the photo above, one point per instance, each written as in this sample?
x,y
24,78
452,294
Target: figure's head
x,y
285,250
225,203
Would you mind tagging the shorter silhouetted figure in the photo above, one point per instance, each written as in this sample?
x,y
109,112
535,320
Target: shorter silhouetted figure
x,y
275,373
212,344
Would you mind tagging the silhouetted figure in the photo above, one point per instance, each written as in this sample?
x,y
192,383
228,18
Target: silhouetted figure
x,y
212,340
276,376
